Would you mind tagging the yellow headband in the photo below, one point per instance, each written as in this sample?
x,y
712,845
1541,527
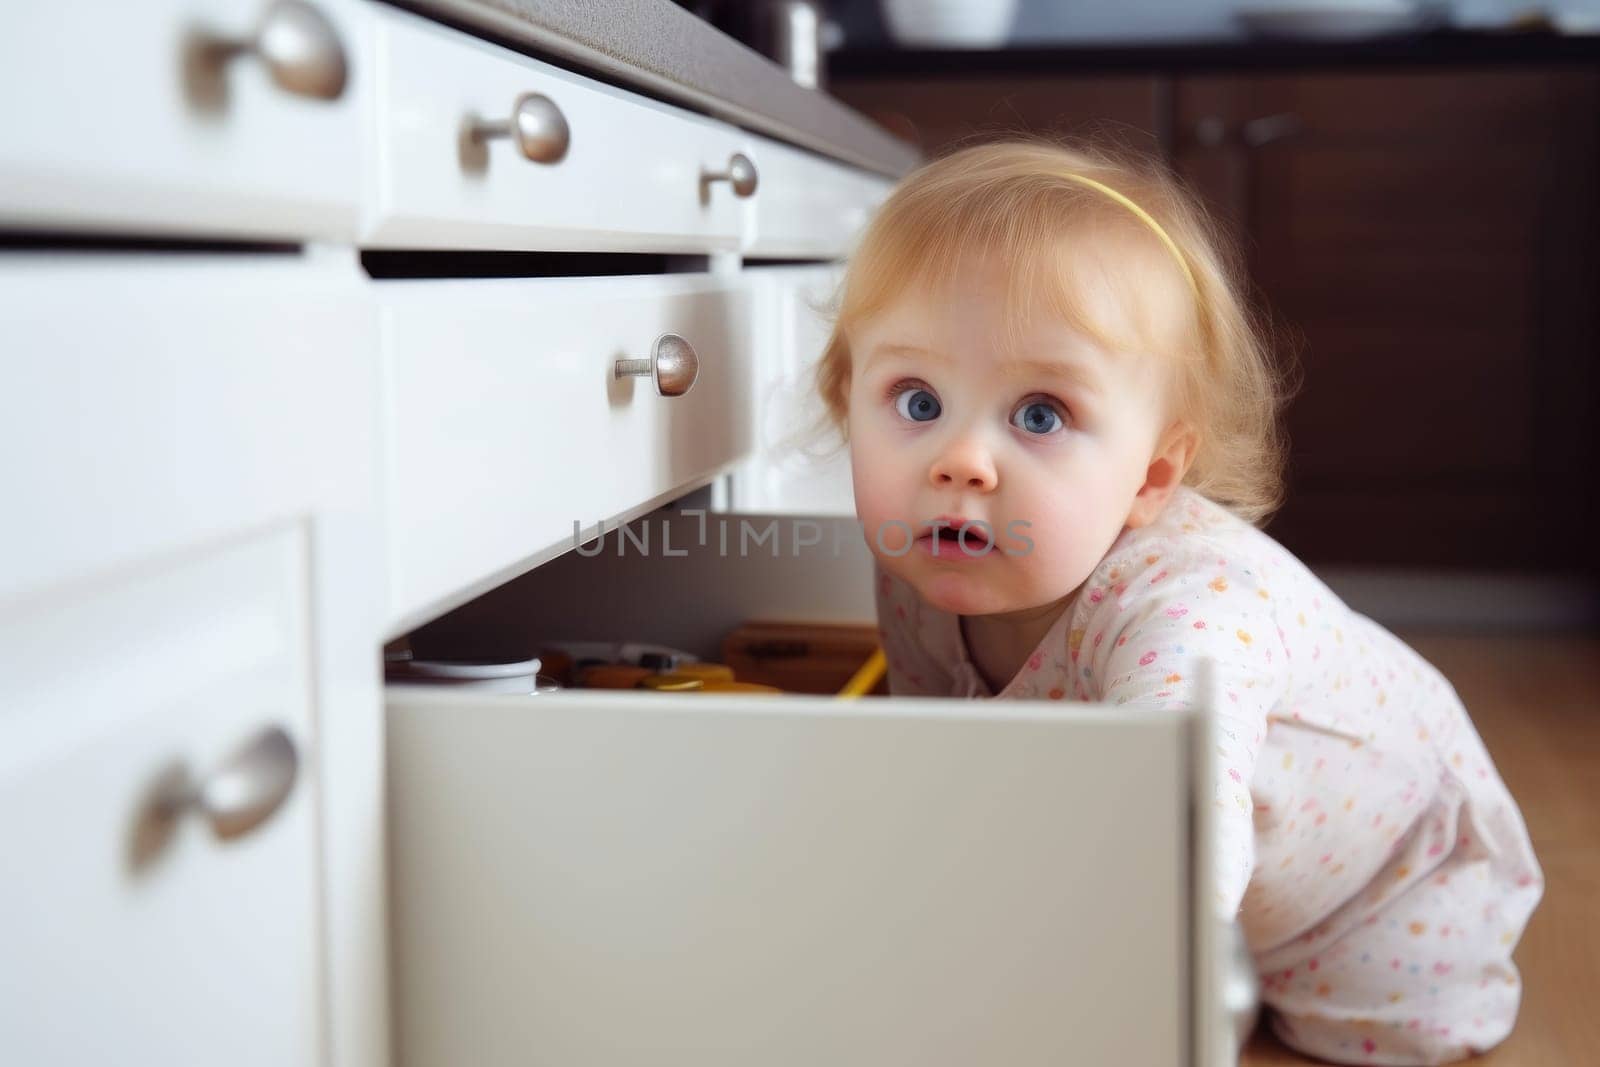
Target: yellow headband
x,y
1144,217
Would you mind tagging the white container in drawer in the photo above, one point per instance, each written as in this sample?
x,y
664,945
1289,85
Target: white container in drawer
x,y
134,937
116,120
632,879
632,175
506,421
807,205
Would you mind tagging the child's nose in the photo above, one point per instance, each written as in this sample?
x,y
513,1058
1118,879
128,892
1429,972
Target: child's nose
x,y
964,463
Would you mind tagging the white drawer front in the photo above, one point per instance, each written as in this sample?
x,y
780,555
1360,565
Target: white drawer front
x,y
153,402
620,880
127,939
630,179
807,205
111,125
506,423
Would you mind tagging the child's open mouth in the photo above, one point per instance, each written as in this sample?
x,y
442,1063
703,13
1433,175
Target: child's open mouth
x,y
955,539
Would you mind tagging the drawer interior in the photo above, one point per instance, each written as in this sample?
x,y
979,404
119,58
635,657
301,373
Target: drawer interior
x,y
659,584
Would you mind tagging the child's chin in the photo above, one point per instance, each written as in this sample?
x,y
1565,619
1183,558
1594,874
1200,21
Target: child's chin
x,y
957,593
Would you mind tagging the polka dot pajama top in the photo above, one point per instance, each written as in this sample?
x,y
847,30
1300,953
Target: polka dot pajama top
x,y
1376,862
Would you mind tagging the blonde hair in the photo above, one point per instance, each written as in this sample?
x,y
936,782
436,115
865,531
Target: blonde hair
x,y
1020,203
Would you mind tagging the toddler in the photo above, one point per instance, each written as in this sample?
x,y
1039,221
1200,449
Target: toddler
x,y
1063,432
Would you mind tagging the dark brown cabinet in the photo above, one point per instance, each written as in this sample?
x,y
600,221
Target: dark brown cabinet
x,y
1428,241
1428,244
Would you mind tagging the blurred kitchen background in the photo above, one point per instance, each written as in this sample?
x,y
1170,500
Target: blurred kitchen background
x,y
1417,190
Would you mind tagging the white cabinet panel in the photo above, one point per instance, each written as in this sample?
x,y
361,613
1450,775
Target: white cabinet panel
x,y
155,407
154,402
800,465
507,424
127,940
807,205
112,123
617,879
630,181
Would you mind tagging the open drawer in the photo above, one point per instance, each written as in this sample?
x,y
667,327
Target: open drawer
x,y
650,878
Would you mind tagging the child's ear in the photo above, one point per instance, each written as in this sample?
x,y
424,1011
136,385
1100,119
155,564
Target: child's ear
x,y
1173,456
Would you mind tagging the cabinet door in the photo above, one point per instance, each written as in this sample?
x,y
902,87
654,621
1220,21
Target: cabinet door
x,y
136,938
1430,244
153,402
155,405
120,118
800,466
593,879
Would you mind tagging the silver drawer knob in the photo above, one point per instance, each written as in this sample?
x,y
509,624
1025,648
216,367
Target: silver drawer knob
x,y
245,791
294,41
536,125
741,174
673,367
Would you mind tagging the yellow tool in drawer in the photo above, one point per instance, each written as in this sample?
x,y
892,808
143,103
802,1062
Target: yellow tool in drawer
x,y
821,658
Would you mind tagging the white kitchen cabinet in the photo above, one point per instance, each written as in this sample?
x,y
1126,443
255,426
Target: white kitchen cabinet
x,y
508,424
116,121
632,175
231,476
800,465
136,938
160,414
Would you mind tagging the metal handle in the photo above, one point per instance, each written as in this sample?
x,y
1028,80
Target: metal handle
x,y
672,368
296,43
245,791
741,174
536,125
1269,128
1212,131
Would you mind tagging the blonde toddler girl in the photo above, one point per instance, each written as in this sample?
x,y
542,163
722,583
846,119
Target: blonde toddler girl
x,y
1063,433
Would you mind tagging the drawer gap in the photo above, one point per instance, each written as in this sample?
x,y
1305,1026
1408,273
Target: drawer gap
x,y
787,261
409,263
62,241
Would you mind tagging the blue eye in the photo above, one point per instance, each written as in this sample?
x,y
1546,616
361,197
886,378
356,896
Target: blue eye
x,y
1038,417
918,405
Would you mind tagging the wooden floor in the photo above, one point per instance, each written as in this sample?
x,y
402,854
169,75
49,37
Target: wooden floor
x,y
1536,703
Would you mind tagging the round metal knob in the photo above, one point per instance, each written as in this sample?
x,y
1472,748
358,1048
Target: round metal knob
x,y
672,368
741,174
536,125
1258,133
245,791
298,46
1211,131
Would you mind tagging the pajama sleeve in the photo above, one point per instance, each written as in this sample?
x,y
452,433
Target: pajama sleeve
x,y
914,670
1158,613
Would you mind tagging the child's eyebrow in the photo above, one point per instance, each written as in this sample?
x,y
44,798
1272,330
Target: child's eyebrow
x,y
1077,373
890,351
